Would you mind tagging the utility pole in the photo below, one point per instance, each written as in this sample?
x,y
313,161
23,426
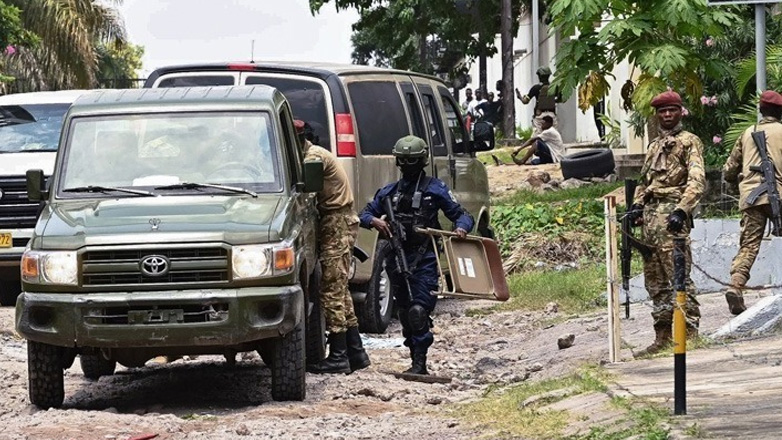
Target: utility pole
x,y
535,39
506,32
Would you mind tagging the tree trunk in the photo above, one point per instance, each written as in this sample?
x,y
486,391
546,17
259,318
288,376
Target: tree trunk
x,y
509,114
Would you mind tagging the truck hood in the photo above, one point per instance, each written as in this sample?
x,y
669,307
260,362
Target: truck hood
x,y
17,164
236,220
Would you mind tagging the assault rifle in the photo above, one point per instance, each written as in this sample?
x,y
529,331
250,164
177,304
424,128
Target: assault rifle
x,y
629,242
768,183
396,239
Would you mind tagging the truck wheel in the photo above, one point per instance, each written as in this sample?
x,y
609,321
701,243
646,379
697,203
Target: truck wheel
x,y
375,313
316,321
9,290
46,386
288,371
95,365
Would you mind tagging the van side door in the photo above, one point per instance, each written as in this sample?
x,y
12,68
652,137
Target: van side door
x,y
442,161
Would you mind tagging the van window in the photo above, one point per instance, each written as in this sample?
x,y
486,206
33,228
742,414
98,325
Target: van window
x,y
455,122
308,102
197,81
31,127
435,126
415,111
380,115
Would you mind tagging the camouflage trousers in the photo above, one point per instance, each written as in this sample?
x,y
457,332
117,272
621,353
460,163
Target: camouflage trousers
x,y
658,269
753,225
338,232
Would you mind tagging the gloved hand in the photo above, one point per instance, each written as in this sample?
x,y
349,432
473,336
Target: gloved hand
x,y
635,213
676,221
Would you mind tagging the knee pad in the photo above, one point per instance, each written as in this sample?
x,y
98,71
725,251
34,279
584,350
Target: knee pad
x,y
418,317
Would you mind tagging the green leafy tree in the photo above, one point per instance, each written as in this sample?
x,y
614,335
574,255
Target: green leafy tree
x,y
11,35
423,35
118,64
68,32
658,37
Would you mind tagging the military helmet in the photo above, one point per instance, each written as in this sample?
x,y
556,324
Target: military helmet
x,y
543,71
411,149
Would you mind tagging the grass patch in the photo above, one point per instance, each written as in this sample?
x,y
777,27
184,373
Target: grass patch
x,y
575,291
587,192
502,154
530,421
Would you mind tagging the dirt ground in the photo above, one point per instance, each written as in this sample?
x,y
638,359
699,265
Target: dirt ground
x,y
205,398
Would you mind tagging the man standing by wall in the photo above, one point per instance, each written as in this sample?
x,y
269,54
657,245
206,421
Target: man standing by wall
x,y
755,216
545,99
338,228
670,186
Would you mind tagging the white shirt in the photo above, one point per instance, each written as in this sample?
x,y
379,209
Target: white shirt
x,y
471,106
553,139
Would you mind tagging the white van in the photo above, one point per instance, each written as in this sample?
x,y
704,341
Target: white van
x,y
30,125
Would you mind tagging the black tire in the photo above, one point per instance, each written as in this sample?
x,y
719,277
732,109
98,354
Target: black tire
x,y
9,290
592,163
375,313
486,230
46,385
95,365
288,370
316,321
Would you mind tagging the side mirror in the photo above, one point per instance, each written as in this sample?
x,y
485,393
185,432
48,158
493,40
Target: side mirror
x,y
35,186
483,136
313,176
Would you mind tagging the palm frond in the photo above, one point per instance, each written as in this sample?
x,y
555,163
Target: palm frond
x,y
742,119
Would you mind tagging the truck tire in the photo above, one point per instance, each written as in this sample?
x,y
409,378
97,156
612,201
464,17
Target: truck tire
x,y
288,370
95,365
374,314
46,385
9,290
316,322
592,163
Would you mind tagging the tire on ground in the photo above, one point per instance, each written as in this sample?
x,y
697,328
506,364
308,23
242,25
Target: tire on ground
x,y
46,385
288,370
95,365
316,324
592,163
374,314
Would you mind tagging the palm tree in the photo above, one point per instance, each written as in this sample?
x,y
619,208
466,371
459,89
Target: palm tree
x,y
68,33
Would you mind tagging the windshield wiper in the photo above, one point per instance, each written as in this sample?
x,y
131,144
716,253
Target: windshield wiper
x,y
106,189
194,185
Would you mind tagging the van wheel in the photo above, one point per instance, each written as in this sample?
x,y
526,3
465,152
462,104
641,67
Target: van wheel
x,y
9,290
316,320
46,385
288,371
95,365
485,230
375,313
592,163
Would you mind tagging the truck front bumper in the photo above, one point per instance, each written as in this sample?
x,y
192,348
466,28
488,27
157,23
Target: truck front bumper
x,y
172,318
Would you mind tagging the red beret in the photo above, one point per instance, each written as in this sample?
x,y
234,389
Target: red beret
x,y
666,99
770,97
299,126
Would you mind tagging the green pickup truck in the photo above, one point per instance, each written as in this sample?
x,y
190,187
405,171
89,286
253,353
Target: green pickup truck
x,y
176,222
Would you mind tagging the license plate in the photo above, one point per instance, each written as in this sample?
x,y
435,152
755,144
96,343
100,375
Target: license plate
x,y
5,240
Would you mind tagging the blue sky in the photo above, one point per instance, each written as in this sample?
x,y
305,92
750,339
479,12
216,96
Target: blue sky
x,y
186,31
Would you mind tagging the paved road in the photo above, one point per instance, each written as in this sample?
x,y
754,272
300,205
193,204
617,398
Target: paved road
x,y
734,391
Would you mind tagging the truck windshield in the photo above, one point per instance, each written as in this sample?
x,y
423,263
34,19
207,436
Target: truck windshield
x,y
30,127
154,150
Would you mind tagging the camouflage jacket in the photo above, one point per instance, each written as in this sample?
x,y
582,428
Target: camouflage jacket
x,y
673,171
745,154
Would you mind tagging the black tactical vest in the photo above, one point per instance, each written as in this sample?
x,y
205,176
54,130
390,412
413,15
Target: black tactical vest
x,y
415,209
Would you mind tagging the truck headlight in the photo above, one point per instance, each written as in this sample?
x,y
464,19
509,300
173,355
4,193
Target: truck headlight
x,y
55,267
258,261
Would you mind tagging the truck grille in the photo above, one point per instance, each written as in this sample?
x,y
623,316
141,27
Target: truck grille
x,y
183,266
16,210
168,314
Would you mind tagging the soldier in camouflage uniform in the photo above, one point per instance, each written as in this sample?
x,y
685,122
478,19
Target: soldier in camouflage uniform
x,y
338,228
753,217
671,184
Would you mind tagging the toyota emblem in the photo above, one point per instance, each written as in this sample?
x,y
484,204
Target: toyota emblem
x,y
1,193
154,265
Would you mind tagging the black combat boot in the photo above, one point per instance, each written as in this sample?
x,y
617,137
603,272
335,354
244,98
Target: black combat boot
x,y
337,362
357,356
419,363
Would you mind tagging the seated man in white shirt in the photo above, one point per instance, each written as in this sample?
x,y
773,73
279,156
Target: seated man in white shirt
x,y
547,146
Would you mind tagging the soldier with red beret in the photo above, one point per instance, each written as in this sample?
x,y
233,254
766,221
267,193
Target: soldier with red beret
x,y
754,216
671,184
